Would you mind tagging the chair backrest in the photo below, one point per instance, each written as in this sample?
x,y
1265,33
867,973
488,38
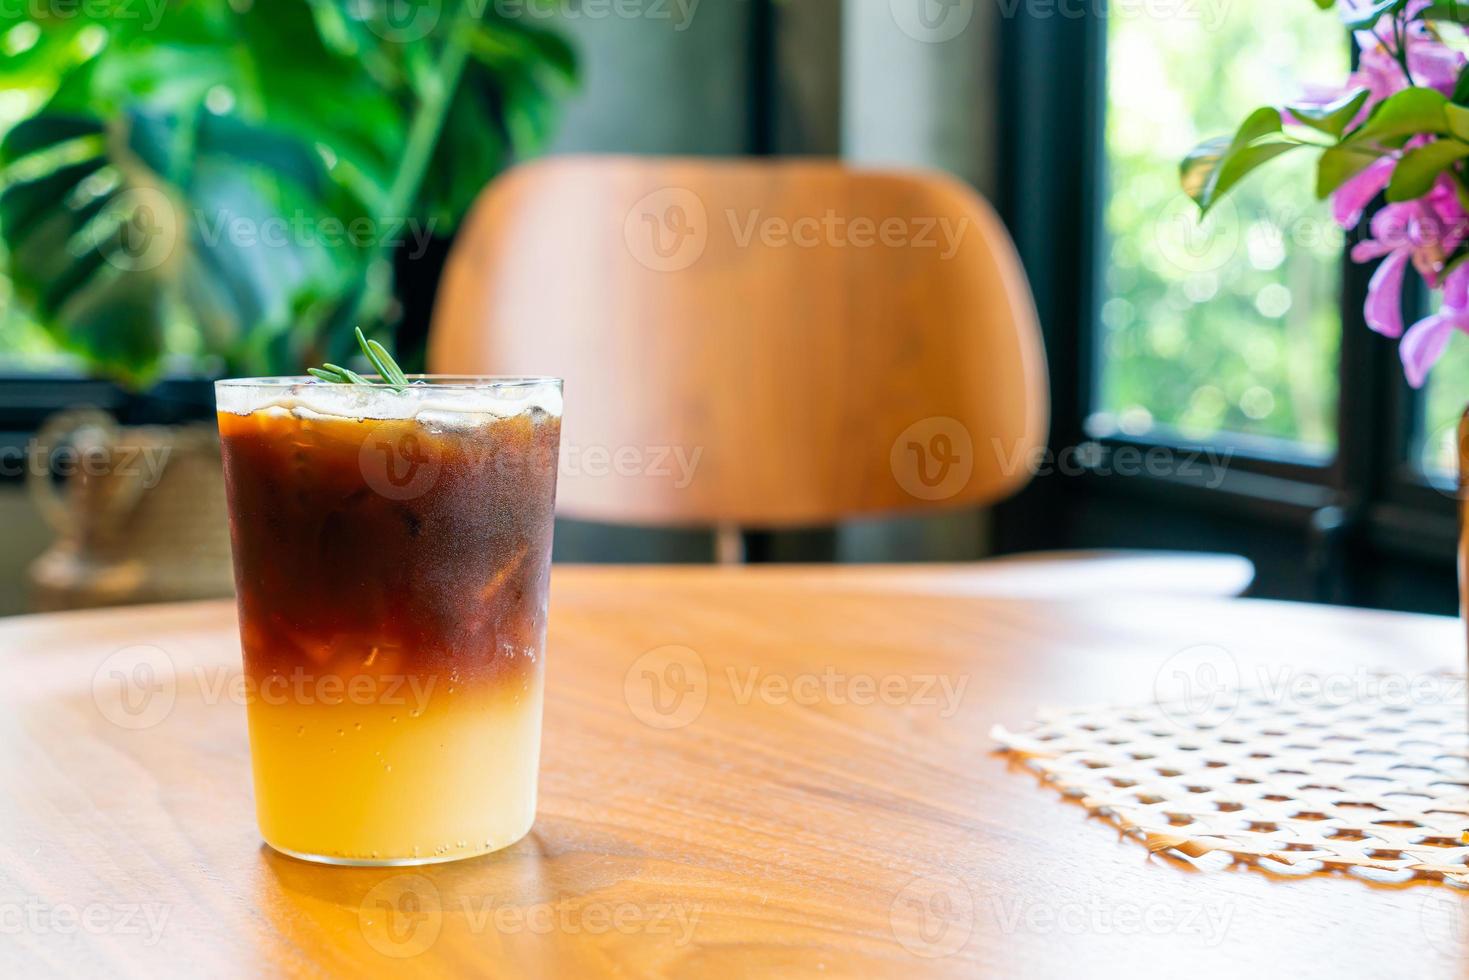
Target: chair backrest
x,y
762,343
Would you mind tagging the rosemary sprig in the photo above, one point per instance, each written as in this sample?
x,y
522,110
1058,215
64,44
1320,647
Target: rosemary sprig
x,y
377,356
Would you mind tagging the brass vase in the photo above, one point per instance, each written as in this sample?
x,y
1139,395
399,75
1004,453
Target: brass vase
x,y
139,518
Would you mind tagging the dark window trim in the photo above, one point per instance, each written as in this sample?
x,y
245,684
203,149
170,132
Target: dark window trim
x,y
28,400
1370,494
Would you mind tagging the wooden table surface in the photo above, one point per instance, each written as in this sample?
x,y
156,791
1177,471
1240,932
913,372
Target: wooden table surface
x,y
745,771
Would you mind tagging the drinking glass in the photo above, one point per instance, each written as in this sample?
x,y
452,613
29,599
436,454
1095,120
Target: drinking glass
x,y
392,552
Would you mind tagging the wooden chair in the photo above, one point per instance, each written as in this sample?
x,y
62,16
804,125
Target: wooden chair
x,y
754,343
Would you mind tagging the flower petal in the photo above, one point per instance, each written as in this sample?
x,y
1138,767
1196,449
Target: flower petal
x,y
1384,306
1456,289
1369,250
1424,344
1350,199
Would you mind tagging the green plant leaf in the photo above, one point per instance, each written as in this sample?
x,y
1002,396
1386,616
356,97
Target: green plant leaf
x,y
1461,88
1403,114
44,132
274,149
1458,13
1213,167
1340,164
382,361
1458,119
1416,171
1333,117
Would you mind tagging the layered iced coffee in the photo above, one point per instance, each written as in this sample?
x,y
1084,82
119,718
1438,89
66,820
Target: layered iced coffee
x,y
392,554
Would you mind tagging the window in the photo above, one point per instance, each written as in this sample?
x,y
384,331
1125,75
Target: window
x,y
1243,341
1232,326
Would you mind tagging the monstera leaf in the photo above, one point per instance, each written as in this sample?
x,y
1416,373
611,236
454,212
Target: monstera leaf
x,y
116,230
233,182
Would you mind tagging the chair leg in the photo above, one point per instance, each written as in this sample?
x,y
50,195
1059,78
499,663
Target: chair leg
x,y
729,545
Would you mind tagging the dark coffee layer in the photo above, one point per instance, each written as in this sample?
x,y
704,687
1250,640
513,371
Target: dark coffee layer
x,y
391,547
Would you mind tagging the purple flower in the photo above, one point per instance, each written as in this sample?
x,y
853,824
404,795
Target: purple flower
x,y
1433,64
1423,232
1352,197
1425,341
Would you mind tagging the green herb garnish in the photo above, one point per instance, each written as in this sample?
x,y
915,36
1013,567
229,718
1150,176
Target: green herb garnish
x,y
377,356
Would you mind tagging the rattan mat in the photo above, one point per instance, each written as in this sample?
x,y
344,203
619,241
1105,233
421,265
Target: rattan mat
x,y
1360,783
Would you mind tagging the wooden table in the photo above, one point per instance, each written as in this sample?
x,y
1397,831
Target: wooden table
x,y
785,816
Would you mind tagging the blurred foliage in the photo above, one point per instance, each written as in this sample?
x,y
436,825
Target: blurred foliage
x,y
218,185
1231,325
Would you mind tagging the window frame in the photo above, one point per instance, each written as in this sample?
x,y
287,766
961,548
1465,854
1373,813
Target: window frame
x,y
1370,496
28,400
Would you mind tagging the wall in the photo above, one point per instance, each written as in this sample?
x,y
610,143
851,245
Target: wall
x,y
660,82
814,77
24,538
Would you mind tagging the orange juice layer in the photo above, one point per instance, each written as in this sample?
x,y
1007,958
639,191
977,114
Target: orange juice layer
x,y
436,774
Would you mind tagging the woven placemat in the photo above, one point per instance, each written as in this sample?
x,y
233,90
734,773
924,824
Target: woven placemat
x,y
1372,781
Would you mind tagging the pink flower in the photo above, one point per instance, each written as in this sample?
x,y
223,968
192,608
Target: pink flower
x,y
1424,232
1433,64
1351,198
1426,340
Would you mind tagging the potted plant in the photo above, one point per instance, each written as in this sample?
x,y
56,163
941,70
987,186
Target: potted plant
x,y
226,185
1392,145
